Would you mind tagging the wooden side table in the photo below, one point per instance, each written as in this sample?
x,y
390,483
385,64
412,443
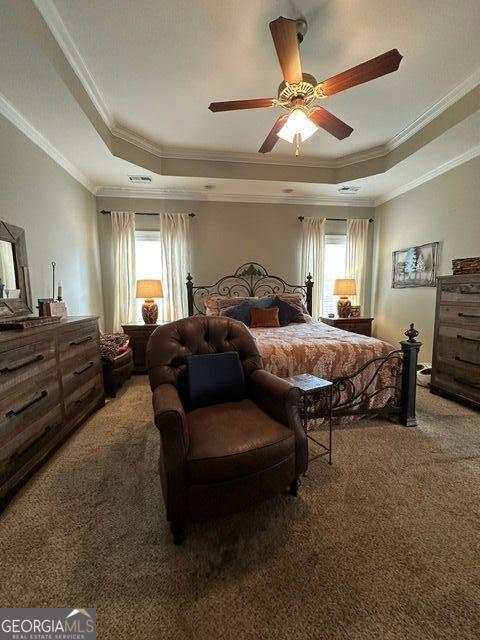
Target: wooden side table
x,y
139,335
363,326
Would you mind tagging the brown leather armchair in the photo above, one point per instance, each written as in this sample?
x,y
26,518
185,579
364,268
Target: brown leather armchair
x,y
221,458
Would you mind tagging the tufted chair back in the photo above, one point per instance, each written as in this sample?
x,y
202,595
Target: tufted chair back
x,y
170,344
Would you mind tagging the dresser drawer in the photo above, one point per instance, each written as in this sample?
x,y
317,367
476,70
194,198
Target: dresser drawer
x,y
77,341
460,292
455,341
27,442
27,405
460,315
17,366
83,400
80,369
458,383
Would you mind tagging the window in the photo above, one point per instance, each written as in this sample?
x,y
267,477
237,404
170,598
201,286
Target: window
x,y
147,262
334,267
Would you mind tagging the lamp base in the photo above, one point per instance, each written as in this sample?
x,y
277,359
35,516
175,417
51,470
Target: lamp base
x,y
344,307
150,311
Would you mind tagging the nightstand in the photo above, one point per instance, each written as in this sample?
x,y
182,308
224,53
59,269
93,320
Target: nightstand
x,y
363,326
139,335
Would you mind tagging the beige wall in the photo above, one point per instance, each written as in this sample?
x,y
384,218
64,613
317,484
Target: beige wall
x,y
445,209
59,218
227,234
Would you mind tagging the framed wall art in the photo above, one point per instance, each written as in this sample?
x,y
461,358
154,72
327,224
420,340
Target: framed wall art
x,y
415,266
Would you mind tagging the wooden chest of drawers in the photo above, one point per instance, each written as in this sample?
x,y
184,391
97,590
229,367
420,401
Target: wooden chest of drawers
x,y
456,350
50,381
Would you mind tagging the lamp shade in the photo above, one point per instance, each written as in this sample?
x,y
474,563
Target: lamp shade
x,y
344,287
149,289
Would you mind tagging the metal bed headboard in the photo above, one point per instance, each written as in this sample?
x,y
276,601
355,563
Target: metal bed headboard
x,y
250,279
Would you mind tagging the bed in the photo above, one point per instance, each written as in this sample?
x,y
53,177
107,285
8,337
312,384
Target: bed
x,y
369,375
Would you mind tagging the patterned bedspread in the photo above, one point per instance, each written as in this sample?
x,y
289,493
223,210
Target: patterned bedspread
x,y
326,352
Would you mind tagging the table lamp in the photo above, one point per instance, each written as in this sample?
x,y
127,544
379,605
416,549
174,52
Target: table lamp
x,y
149,289
344,287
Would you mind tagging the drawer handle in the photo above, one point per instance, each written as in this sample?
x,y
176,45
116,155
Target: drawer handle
x,y
468,315
16,456
82,341
86,396
86,368
459,359
459,337
38,358
467,383
17,412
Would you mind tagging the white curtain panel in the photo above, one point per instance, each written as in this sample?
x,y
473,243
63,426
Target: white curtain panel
x,y
357,245
175,261
312,259
124,279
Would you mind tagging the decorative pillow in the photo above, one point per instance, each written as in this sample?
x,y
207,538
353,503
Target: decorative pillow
x,y
215,303
295,299
242,311
287,313
214,378
264,317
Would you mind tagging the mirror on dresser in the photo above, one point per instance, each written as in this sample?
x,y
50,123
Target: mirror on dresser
x,y
15,293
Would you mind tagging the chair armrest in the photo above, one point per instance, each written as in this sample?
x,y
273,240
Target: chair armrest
x,y
276,396
169,413
170,421
281,401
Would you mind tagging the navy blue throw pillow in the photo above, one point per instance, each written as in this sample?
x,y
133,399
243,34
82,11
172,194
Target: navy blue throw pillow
x,y
214,378
242,311
287,313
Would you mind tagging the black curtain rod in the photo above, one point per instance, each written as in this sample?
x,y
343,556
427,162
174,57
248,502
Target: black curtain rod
x,y
144,213
302,218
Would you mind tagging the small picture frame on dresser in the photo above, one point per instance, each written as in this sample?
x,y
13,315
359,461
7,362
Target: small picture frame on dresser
x,y
355,311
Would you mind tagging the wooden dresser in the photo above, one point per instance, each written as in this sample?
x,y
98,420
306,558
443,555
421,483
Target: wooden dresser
x,y
50,381
456,349
355,325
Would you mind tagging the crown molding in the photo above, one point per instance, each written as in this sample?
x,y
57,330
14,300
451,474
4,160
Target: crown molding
x,y
137,140
65,41
17,119
430,175
169,194
434,111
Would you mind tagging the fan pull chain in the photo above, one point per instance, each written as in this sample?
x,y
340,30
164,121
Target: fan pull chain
x,y
297,140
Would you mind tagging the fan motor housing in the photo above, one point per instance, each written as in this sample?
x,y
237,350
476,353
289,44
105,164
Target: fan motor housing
x,y
304,89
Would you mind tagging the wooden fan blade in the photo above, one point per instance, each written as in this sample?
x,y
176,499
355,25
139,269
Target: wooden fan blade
x,y
374,68
326,120
271,140
284,34
235,105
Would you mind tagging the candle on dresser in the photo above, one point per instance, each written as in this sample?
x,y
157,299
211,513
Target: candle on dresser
x,y
60,290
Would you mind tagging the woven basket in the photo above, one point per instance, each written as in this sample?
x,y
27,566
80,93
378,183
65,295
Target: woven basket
x,y
465,265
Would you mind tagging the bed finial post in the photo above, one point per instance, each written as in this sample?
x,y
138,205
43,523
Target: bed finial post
x,y
410,349
190,294
309,285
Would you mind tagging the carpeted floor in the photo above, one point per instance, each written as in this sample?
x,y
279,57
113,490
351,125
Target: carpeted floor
x,y
384,544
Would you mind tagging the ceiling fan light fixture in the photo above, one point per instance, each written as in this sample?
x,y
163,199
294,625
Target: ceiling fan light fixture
x,y
298,123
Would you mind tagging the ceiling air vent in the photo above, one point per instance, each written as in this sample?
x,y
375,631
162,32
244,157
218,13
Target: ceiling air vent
x,y
140,179
348,189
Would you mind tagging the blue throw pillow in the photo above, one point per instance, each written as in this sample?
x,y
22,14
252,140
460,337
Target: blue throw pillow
x,y
214,378
242,311
287,313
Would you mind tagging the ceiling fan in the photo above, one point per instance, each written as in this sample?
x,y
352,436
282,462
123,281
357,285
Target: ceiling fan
x,y
299,91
